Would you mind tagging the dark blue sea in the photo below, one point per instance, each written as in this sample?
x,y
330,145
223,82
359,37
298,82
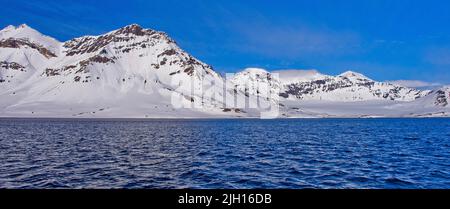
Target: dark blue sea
x,y
290,153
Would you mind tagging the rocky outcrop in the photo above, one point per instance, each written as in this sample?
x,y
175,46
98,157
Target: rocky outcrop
x,y
442,98
11,66
17,43
91,44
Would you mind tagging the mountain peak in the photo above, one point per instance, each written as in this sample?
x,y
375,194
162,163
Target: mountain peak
x,y
8,28
133,26
25,32
352,74
19,28
134,29
23,25
129,37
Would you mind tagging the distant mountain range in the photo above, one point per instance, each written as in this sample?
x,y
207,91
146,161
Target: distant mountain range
x,y
142,73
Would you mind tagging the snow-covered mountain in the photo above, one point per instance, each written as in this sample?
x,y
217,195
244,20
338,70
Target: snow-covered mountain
x,y
137,72
129,72
312,85
308,93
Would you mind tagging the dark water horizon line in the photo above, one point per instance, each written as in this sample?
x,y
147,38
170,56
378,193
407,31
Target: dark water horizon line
x,y
212,118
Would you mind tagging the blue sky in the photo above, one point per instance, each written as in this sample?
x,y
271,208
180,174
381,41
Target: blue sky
x,y
383,39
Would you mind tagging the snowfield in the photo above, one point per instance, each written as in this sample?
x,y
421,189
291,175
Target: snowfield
x,y
134,72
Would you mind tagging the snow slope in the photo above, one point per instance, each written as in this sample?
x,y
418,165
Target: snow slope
x,y
308,93
129,72
143,73
312,85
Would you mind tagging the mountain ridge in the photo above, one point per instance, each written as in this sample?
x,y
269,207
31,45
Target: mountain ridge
x,y
137,72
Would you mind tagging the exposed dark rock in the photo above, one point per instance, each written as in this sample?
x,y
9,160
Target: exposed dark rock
x,y
90,44
100,59
163,62
135,30
95,59
173,73
189,70
441,98
11,65
236,110
156,66
17,43
301,89
168,52
284,95
51,72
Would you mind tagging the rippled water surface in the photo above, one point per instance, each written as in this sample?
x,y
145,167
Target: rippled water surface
x,y
300,153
